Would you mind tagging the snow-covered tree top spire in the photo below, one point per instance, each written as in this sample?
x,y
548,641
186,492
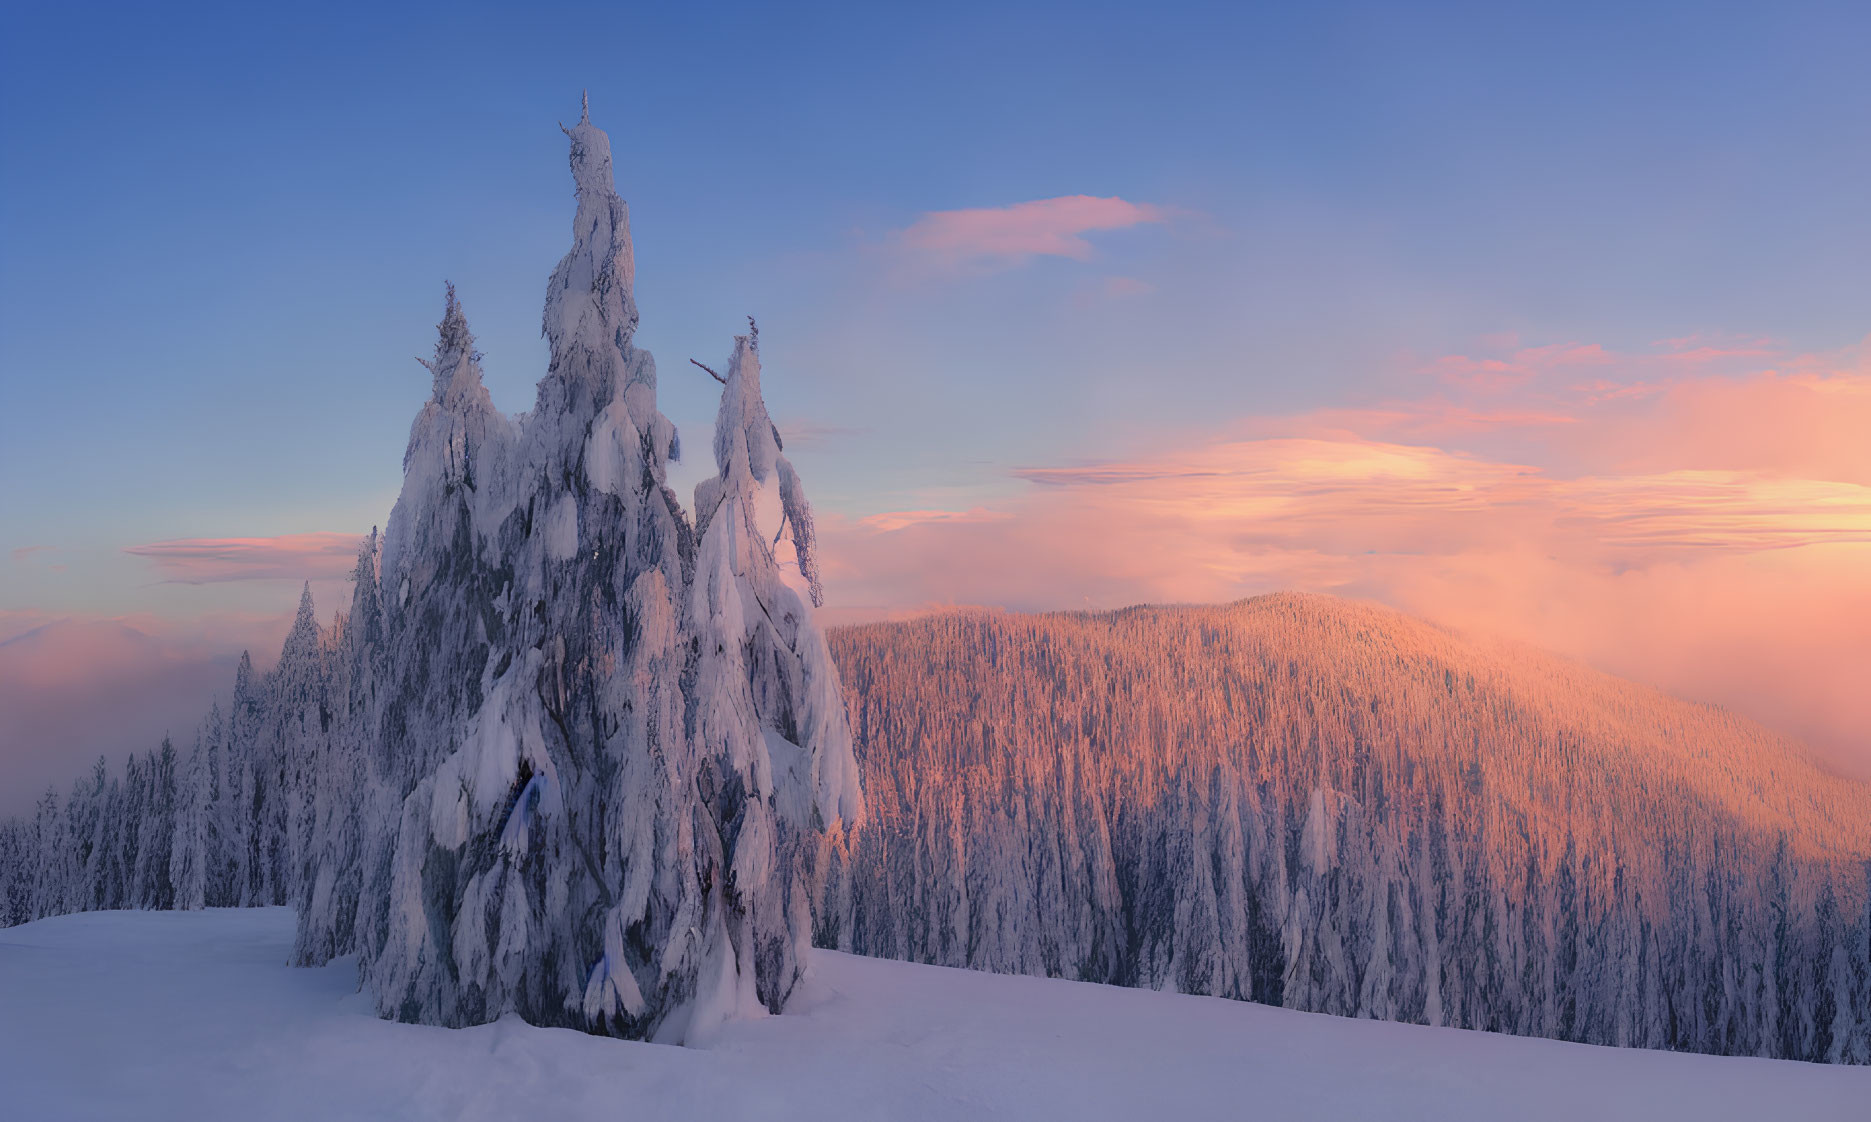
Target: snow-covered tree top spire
x,y
589,303
458,401
456,365
458,441
302,640
745,437
748,452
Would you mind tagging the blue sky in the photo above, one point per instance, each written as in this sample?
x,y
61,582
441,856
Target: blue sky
x,y
226,229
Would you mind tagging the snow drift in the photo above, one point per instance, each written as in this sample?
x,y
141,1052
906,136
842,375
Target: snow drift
x,y
193,1017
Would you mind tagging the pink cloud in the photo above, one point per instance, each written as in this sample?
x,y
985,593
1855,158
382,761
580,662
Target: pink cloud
x,y
74,688
1706,533
1602,390
1556,355
1808,424
1012,235
1776,635
1480,373
16,621
1698,350
1518,368
1698,356
310,556
1215,521
893,520
1692,403
1411,421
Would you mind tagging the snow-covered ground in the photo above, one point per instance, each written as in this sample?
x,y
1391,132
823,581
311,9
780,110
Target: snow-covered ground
x,y
121,1015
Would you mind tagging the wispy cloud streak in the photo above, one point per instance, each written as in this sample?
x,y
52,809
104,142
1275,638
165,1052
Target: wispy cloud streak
x,y
310,556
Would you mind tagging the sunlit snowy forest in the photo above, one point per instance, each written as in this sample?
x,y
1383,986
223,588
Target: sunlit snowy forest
x,y
574,753
1313,803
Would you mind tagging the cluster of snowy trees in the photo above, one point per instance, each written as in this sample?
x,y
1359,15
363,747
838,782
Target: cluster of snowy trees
x,y
223,825
1311,803
109,844
568,753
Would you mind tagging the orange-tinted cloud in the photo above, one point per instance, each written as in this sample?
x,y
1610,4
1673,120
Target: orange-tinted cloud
x,y
1012,235
1431,419
1698,350
1203,521
311,556
1518,368
1815,425
898,519
1711,535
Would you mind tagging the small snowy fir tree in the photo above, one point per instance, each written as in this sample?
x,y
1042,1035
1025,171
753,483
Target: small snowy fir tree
x,y
770,727
188,856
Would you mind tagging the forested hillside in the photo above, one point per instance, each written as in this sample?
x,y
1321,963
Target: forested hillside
x,y
1333,807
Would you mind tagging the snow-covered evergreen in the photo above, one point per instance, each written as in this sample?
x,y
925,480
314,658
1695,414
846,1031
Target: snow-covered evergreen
x,y
772,744
527,802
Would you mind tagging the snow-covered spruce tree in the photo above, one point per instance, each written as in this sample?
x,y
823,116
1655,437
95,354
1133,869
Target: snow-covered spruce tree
x,y
532,676
244,794
52,857
90,826
295,738
154,837
16,858
188,853
770,735
224,841
560,754
341,805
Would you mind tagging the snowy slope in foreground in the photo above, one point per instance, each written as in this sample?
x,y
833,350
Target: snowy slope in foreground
x,y
195,1015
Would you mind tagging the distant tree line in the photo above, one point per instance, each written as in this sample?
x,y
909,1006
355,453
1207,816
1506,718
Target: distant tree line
x,y
223,825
